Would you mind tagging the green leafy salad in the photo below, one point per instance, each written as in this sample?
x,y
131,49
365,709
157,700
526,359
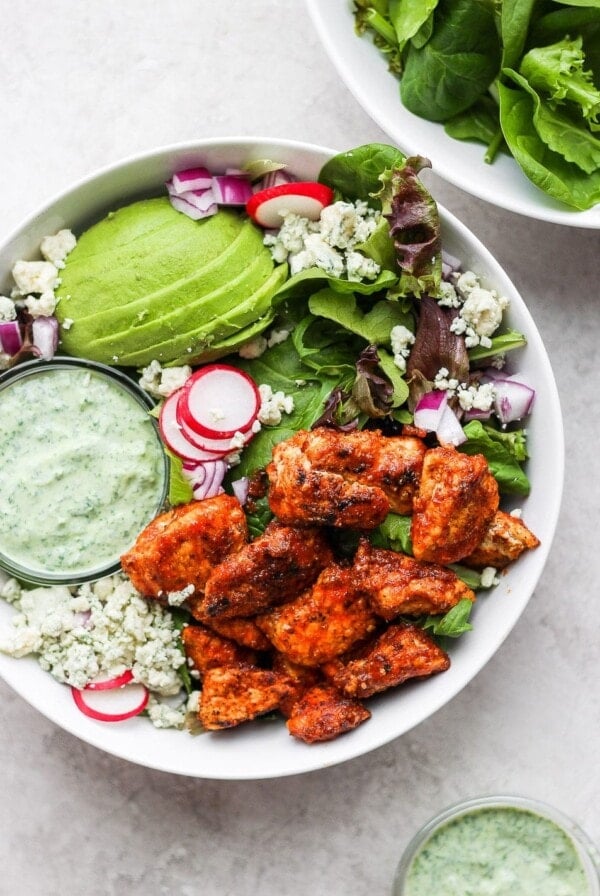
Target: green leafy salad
x,y
521,76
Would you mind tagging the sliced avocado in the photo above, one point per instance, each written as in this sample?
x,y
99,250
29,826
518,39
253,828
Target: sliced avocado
x,y
198,343
146,274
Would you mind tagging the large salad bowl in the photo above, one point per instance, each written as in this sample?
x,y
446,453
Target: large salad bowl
x,y
265,749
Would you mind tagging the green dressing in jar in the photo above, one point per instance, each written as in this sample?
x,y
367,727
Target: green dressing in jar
x,y
83,470
497,851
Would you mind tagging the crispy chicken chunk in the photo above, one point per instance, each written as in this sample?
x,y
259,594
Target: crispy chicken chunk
x,y
244,632
505,540
279,564
397,584
322,623
301,678
235,694
399,653
322,713
206,650
457,500
343,479
180,548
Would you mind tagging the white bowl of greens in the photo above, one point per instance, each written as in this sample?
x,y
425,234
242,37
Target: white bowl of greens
x,y
264,749
445,105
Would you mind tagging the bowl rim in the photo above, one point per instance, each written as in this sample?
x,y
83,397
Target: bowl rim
x,y
360,742
586,850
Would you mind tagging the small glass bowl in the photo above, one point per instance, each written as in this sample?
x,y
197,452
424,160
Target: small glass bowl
x,y
106,566
587,853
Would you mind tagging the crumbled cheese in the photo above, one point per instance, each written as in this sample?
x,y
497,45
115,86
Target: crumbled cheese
x,y
37,277
253,349
55,248
8,309
273,405
163,715
489,577
276,337
176,598
401,339
216,414
67,323
162,382
480,314
238,441
329,243
98,629
517,512
42,306
471,396
448,296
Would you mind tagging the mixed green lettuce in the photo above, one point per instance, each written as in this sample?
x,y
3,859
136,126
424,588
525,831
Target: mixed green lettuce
x,y
522,76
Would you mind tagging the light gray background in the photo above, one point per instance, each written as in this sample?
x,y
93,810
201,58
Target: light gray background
x,y
85,84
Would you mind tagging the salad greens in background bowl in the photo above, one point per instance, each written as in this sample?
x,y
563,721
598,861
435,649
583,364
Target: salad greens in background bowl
x,y
327,345
502,97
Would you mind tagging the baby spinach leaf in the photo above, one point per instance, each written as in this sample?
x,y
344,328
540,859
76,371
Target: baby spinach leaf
x,y
356,174
561,133
515,19
375,325
457,64
408,18
503,454
452,624
546,169
394,534
305,282
479,122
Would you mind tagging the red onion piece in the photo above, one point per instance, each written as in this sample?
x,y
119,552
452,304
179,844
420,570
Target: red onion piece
x,y
44,331
513,400
434,414
231,189
10,337
274,179
191,179
240,489
206,478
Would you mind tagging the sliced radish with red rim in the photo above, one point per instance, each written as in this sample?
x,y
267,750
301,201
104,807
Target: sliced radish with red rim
x,y
175,438
218,401
213,448
305,198
114,703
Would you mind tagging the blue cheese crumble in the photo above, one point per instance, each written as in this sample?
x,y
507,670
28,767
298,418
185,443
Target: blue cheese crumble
x,y
331,243
96,630
480,310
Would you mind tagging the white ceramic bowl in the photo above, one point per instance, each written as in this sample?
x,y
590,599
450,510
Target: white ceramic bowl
x,y
263,749
364,70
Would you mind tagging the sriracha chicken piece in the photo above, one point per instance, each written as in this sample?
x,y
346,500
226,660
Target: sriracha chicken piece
x,y
323,622
324,477
457,500
397,584
178,550
206,650
505,540
279,564
322,713
401,652
234,694
244,632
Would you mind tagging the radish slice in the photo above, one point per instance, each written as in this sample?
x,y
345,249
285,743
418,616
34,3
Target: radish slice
x,y
44,334
10,337
231,189
191,179
107,684
112,704
219,400
174,437
305,198
214,448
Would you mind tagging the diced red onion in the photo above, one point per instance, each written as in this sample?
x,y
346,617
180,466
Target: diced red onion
x,y
191,179
434,414
231,189
450,263
191,209
274,179
10,337
513,400
240,489
206,478
44,331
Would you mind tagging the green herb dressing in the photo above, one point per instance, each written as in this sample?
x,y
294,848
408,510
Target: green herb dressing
x,y
498,852
82,470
